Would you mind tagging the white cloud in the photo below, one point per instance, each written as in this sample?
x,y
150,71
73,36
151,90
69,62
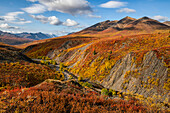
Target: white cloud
x,y
113,4
35,9
12,17
126,10
65,6
94,16
41,18
11,31
6,26
22,22
70,22
32,0
61,32
53,20
2,19
160,18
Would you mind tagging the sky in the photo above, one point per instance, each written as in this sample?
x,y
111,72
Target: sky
x,y
61,17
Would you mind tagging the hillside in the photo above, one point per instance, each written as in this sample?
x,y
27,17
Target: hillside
x,y
130,63
66,96
11,54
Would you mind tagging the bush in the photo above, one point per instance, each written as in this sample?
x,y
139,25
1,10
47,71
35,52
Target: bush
x,y
104,91
87,84
94,52
112,92
62,67
80,78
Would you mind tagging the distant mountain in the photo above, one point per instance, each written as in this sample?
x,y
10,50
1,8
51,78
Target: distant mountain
x,y
144,23
21,38
70,33
35,36
126,23
167,23
12,39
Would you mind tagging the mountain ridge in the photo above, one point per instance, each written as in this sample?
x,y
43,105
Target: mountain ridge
x,y
35,36
127,23
21,38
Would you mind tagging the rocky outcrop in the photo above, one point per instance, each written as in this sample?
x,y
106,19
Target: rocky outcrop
x,y
147,79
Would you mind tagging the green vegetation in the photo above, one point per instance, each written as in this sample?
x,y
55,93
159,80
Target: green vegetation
x,y
85,84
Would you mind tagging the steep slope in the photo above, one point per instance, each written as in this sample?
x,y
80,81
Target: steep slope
x,y
148,79
11,54
98,27
12,39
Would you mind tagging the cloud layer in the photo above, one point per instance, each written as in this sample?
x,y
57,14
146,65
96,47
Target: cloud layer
x,y
126,10
6,26
113,4
73,7
35,9
53,20
70,23
13,17
160,18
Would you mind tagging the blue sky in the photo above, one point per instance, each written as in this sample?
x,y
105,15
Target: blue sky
x,y
61,17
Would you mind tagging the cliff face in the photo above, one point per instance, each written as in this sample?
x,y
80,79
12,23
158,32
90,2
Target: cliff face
x,y
147,79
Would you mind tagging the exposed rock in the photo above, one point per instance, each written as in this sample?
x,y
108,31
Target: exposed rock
x,y
138,81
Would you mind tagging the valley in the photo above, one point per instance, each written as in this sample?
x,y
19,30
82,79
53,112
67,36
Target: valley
x,y
112,66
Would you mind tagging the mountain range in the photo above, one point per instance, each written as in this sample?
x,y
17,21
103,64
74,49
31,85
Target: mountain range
x,y
21,38
35,36
142,24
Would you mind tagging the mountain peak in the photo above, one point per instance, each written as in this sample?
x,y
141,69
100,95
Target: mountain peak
x,y
145,18
127,19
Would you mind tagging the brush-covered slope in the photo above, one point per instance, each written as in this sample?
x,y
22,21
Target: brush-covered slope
x,y
137,63
65,97
11,54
